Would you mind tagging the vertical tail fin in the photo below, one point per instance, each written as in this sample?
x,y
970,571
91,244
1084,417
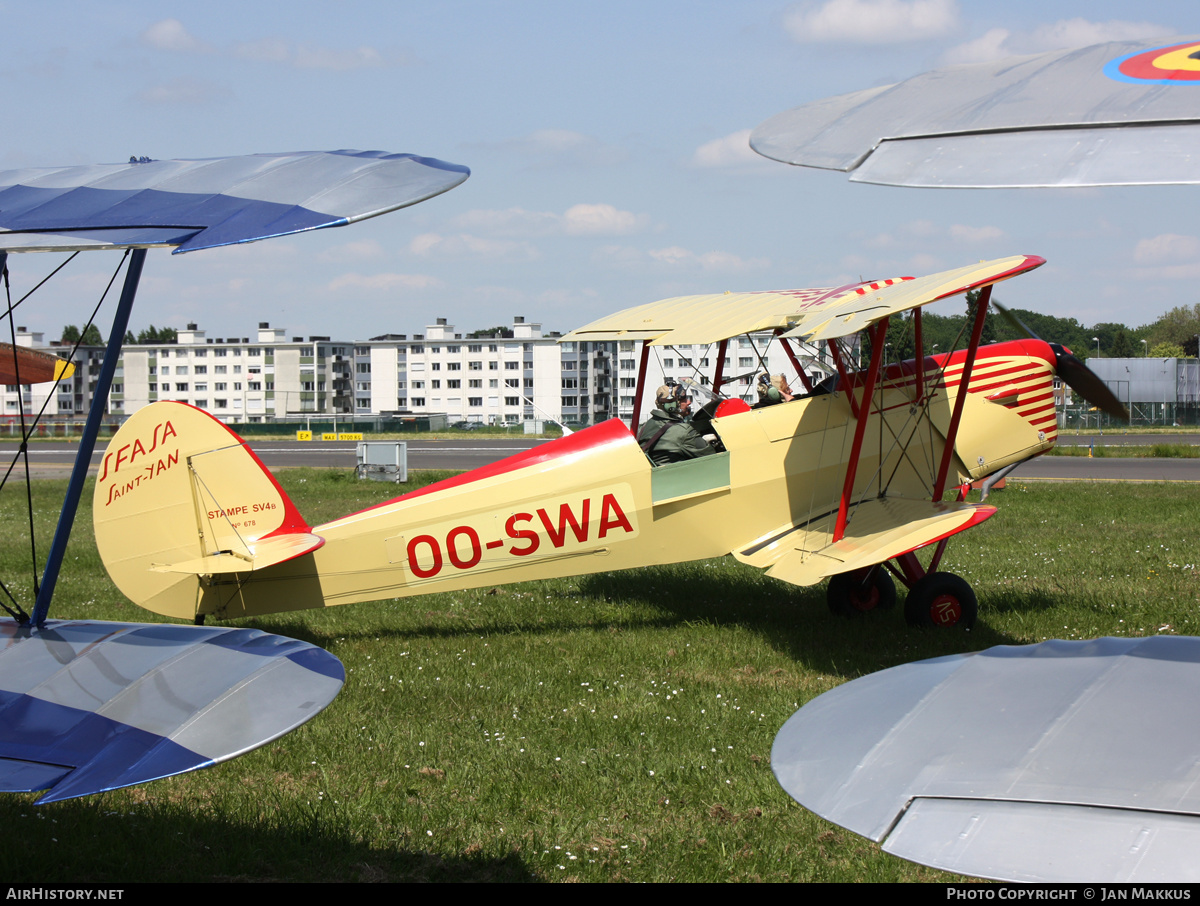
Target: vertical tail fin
x,y
179,497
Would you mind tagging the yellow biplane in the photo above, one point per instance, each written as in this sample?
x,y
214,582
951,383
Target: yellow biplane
x,y
845,482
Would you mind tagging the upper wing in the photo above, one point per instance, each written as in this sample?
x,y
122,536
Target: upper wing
x,y
855,310
1122,113
197,204
31,366
814,314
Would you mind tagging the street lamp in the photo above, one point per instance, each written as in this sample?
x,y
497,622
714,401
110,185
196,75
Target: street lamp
x,y
1096,340
1145,348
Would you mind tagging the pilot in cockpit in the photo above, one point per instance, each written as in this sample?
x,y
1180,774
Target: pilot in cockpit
x,y
667,436
772,389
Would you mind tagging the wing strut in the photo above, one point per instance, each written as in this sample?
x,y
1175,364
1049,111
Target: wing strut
x,y
641,387
981,307
787,347
719,375
843,378
878,333
91,430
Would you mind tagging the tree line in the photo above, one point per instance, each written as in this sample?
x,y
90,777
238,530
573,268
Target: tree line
x,y
1172,335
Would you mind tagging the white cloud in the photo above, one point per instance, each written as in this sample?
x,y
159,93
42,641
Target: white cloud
x,y
677,256
465,245
601,220
1167,248
578,220
870,21
362,250
510,221
378,282
560,146
187,91
731,151
998,43
170,35
965,233
904,233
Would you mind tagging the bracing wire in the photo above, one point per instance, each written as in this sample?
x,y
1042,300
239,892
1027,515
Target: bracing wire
x,y
27,430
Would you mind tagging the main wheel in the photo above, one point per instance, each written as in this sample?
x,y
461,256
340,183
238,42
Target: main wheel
x,y
941,600
853,594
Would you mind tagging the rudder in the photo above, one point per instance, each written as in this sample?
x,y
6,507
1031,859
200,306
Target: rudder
x,y
179,497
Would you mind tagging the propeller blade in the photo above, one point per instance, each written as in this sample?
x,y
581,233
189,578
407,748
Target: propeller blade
x,y
1083,381
1074,373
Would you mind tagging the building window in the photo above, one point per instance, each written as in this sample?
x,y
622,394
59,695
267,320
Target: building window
x,y
475,366
453,385
475,401
221,404
418,401
512,366
475,384
512,401
454,366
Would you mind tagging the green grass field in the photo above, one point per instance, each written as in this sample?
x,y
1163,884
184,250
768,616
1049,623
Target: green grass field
x,y
612,727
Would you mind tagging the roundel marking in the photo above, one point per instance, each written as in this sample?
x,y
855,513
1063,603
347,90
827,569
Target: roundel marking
x,y
1167,65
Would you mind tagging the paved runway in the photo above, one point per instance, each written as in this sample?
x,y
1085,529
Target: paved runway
x,y
48,460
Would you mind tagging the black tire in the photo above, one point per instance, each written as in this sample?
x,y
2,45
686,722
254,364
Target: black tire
x,y
941,601
849,596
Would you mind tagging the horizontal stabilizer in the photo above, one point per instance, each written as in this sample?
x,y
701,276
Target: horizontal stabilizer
x,y
88,706
263,553
877,530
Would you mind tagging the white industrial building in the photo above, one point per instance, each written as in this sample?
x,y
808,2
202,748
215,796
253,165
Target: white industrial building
x,y
1155,390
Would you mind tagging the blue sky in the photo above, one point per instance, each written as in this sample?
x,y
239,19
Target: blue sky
x,y
607,149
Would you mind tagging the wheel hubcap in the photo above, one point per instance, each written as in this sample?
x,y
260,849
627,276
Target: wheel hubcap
x,y
945,610
865,600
